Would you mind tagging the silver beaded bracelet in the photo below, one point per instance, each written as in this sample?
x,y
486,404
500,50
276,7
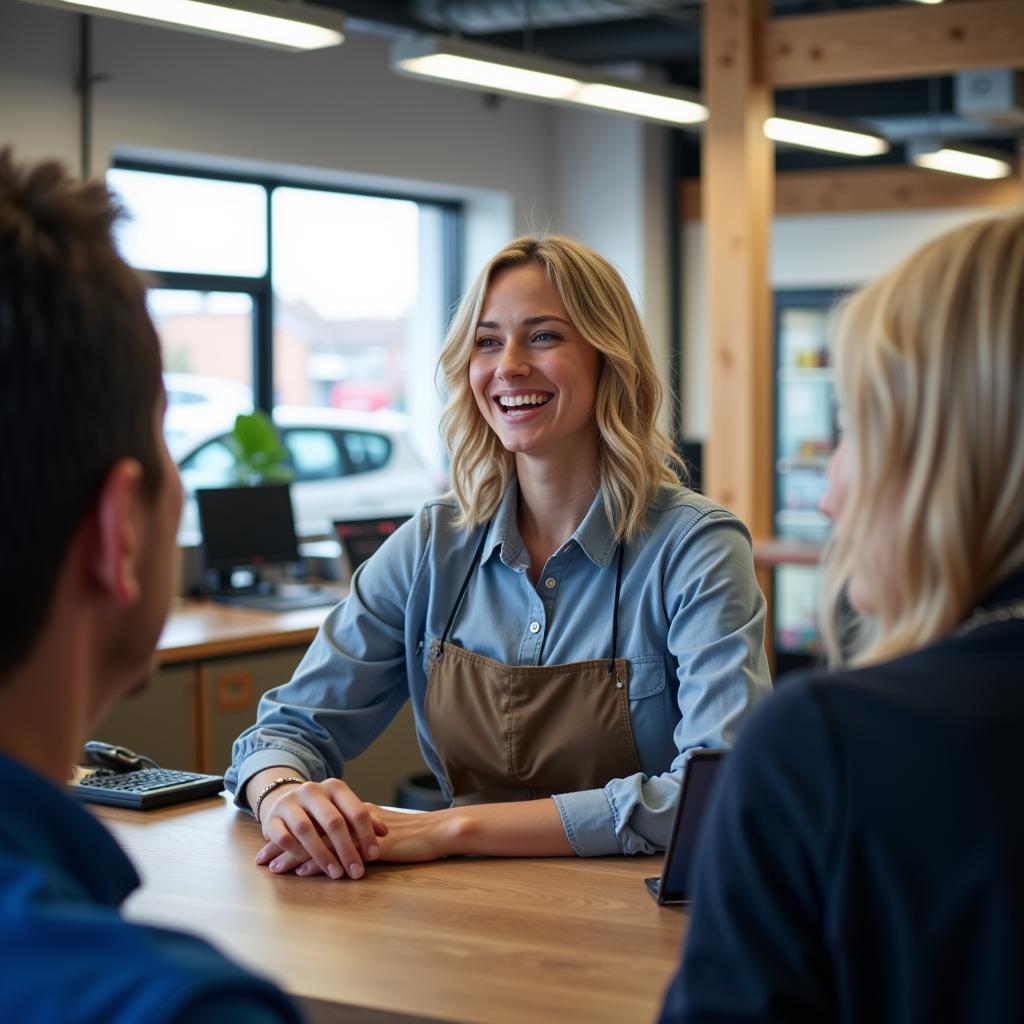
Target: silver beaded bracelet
x,y
283,781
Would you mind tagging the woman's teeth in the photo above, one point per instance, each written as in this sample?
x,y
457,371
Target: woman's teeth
x,y
515,401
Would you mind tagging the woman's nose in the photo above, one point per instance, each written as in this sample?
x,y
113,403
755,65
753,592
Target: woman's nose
x,y
513,363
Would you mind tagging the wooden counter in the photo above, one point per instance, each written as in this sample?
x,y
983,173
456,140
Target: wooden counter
x,y
487,941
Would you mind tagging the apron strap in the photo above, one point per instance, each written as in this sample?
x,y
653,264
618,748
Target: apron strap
x,y
615,613
465,583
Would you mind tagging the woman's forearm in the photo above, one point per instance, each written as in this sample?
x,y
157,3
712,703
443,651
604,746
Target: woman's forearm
x,y
529,828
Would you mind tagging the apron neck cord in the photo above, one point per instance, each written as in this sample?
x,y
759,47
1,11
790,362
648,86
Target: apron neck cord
x,y
615,613
465,584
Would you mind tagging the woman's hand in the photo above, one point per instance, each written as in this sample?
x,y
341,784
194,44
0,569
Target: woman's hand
x,y
400,837
314,827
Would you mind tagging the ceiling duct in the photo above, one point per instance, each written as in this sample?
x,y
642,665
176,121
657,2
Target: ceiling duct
x,y
484,16
995,96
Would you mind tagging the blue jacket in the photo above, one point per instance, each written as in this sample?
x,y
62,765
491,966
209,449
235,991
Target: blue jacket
x,y
68,956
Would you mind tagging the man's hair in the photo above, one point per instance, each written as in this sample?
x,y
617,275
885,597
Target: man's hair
x,y
634,457
930,376
79,379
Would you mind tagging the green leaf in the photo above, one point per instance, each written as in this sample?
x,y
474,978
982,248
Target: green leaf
x,y
260,457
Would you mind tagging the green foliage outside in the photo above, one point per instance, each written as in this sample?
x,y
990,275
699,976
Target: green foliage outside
x,y
260,457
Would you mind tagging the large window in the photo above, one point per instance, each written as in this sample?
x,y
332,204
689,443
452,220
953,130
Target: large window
x,y
325,307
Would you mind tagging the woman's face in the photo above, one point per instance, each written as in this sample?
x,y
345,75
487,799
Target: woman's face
x,y
832,506
533,374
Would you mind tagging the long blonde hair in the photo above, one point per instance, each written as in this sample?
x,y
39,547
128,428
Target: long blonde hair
x,y
634,457
930,377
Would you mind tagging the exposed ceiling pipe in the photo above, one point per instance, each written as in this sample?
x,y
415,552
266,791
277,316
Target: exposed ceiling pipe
x,y
481,16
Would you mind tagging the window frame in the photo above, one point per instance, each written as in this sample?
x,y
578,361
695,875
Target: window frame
x,y
260,289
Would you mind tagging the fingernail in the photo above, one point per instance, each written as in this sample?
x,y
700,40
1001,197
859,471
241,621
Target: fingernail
x,y
334,871
261,858
276,865
303,869
355,870
373,852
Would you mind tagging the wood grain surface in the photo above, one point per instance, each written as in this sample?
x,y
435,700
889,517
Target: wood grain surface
x,y
489,941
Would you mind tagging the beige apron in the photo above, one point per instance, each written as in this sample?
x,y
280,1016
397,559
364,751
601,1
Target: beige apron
x,y
511,732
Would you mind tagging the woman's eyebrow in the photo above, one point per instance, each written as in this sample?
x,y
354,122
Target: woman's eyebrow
x,y
529,321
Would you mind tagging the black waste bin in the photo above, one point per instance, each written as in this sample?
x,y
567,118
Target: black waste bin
x,y
420,793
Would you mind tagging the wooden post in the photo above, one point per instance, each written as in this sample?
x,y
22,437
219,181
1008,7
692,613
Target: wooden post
x,y
738,184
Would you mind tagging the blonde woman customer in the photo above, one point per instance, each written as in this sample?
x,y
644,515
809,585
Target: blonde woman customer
x,y
567,624
864,859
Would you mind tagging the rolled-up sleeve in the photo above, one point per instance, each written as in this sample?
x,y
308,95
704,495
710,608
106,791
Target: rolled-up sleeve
x,y
351,682
715,619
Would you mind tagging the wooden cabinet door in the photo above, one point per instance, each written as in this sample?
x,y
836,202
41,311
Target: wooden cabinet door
x,y
159,721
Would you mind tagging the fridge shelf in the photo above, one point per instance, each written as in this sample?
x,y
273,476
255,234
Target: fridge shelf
x,y
817,463
819,374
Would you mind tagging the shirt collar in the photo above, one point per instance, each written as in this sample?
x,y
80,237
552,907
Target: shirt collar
x,y
77,856
594,535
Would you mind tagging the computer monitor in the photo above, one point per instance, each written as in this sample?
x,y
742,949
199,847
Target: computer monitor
x,y
360,538
246,527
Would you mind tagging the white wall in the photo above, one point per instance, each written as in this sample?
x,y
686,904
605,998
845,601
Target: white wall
x,y
833,251
612,192
343,117
339,112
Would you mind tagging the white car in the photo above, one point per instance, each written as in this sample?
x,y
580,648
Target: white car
x,y
347,465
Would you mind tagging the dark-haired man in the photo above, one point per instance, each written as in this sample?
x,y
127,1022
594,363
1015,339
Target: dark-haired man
x,y
89,507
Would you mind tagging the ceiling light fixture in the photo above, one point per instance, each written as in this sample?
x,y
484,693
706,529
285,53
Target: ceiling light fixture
x,y
284,25
956,158
813,133
494,69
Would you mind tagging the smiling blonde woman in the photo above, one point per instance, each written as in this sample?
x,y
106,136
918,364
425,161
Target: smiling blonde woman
x,y
865,855
567,625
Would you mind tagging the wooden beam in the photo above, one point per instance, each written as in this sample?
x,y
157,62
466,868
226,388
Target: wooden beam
x,y
900,41
862,189
738,175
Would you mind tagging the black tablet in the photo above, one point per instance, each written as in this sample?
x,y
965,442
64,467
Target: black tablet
x,y
698,778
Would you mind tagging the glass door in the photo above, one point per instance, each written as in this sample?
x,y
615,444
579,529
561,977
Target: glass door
x,y
805,436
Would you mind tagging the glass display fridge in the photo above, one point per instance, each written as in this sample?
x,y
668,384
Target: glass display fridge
x,y
805,435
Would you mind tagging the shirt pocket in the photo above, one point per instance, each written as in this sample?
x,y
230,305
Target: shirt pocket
x,y
646,676
648,714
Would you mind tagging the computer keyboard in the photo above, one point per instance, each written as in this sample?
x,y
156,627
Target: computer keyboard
x,y
147,788
285,600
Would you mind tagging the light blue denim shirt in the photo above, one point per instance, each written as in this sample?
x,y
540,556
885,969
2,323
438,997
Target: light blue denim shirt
x,y
691,623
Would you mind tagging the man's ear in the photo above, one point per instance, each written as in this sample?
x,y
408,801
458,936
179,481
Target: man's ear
x,y
117,534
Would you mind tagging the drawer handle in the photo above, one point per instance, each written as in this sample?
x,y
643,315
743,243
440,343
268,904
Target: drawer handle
x,y
235,691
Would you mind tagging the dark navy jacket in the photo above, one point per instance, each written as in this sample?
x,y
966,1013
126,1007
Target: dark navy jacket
x,y
863,859
65,953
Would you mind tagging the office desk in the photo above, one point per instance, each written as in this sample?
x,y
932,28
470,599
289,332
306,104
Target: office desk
x,y
214,662
490,941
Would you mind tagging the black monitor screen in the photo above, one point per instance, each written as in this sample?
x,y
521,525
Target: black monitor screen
x,y
247,526
698,777
360,538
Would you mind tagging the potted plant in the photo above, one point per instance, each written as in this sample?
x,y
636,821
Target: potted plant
x,y
260,457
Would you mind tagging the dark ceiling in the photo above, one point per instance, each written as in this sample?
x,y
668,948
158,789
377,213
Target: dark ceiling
x,y
667,35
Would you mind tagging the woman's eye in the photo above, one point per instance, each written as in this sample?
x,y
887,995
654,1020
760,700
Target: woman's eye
x,y
545,336
486,342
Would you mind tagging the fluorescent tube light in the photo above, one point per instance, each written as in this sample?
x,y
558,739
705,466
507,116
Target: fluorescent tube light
x,y
288,26
494,69
488,75
956,159
652,105
814,135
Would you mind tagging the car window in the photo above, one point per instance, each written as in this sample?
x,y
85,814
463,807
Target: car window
x,y
366,451
212,465
314,454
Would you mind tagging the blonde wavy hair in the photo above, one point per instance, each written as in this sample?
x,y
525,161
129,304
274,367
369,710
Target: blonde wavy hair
x,y
930,378
634,457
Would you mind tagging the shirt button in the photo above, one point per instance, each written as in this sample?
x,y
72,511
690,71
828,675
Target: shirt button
x,y
550,583
534,627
